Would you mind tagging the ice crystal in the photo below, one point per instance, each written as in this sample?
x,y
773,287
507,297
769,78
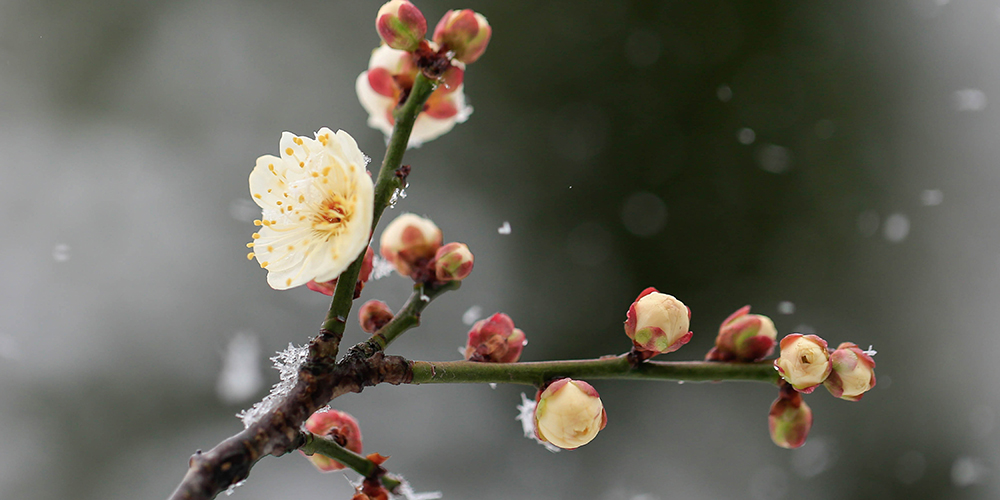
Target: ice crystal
x,y
871,350
526,414
381,268
397,194
232,487
406,491
287,363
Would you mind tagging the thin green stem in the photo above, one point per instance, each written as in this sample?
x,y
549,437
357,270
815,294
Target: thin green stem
x,y
329,448
616,367
386,183
408,316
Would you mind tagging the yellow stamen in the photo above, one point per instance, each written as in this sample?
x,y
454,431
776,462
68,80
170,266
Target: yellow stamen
x,y
250,256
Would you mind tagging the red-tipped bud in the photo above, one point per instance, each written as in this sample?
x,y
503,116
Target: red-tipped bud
x,y
409,242
373,315
569,413
789,420
853,372
744,337
401,25
804,362
464,32
495,340
328,287
338,426
657,323
453,262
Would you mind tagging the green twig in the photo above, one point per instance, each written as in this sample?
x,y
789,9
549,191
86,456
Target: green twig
x,y
613,367
386,183
329,448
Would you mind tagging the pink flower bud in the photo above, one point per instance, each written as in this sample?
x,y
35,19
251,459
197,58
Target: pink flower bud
x,y
569,413
804,362
409,242
373,315
464,32
328,287
657,322
401,25
789,420
744,337
853,372
453,262
495,340
336,425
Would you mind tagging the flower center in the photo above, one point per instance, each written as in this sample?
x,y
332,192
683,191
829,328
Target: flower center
x,y
333,215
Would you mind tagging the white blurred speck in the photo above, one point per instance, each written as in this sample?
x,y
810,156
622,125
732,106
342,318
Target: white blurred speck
x,y
244,210
724,93
967,471
911,467
805,329
786,307
931,197
814,457
60,252
868,222
589,244
896,227
240,377
773,158
769,483
969,100
644,214
642,48
746,136
471,315
493,385
824,129
505,228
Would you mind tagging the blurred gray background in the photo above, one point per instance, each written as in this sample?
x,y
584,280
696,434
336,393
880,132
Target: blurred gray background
x,y
833,164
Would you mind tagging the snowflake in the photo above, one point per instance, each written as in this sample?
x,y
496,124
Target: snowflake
x,y
287,363
526,414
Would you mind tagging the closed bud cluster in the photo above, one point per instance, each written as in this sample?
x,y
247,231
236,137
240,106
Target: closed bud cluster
x,y
373,315
465,33
338,426
789,420
453,262
744,337
804,362
569,413
328,287
409,243
495,340
401,25
657,323
852,374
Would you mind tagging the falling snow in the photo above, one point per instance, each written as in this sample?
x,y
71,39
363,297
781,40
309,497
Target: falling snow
x,y
746,136
287,363
526,414
381,268
969,100
240,376
60,252
931,197
472,314
786,307
505,228
871,350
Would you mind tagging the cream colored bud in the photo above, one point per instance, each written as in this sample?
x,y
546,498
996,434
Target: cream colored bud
x,y
804,362
569,414
409,242
657,322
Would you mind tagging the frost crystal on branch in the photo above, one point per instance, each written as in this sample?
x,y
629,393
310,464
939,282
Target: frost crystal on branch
x,y
287,363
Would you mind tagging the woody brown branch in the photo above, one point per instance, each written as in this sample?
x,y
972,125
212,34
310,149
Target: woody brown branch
x,y
278,432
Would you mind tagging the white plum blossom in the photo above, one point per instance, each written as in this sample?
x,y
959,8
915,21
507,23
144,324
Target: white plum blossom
x,y
317,200
390,75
